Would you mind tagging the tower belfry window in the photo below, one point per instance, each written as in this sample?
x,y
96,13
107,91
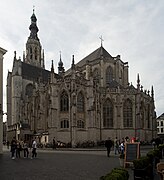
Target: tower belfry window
x,y
35,53
30,52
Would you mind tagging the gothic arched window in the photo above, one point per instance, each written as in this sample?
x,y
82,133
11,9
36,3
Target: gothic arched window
x,y
109,75
80,102
108,114
148,116
64,124
142,115
96,75
127,113
64,102
29,90
80,124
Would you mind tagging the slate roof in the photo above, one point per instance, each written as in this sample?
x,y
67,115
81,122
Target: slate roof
x,y
94,55
33,73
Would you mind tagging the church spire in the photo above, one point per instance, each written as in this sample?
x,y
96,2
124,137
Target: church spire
x,y
73,62
138,82
34,54
33,27
152,92
60,66
52,67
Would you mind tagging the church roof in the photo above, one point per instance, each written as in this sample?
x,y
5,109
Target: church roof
x,y
94,55
34,73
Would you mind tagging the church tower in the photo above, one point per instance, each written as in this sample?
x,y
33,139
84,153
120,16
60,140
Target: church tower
x,y
34,53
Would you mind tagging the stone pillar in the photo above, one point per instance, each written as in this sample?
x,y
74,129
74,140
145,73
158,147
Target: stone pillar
x,y
2,52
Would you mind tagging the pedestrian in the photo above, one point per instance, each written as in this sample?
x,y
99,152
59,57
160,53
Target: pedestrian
x,y
34,146
122,147
13,147
116,146
108,145
25,149
54,143
153,143
18,149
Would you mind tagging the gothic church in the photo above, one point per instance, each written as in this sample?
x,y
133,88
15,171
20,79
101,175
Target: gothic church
x,y
90,101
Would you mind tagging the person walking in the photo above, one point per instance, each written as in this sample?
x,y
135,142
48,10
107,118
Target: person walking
x,y
25,149
54,143
18,149
13,147
108,145
34,146
116,146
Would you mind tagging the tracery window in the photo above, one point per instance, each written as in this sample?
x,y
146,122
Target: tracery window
x,y
108,114
64,102
127,114
109,75
80,124
80,102
96,75
64,124
148,116
29,90
142,115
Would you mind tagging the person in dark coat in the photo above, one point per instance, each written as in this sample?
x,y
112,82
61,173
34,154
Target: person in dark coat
x,y
13,147
108,145
54,143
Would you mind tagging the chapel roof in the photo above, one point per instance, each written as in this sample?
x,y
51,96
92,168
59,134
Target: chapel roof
x,y
94,55
34,73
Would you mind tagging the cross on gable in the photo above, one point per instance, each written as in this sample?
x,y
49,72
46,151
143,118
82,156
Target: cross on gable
x,y
101,40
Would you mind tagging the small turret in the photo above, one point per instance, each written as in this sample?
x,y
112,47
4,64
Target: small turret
x,y
73,62
152,92
60,66
138,82
52,67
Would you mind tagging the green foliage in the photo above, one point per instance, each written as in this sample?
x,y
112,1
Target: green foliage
x,y
116,174
153,153
161,147
141,163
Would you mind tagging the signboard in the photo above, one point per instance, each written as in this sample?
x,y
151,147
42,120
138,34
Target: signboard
x,y
132,152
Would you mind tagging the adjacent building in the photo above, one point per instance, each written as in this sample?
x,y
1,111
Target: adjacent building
x,y
90,101
160,126
2,52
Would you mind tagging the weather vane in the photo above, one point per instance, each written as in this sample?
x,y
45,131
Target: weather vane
x,y
33,9
101,40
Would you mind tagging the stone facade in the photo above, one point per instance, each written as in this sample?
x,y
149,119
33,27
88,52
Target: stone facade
x,y
90,101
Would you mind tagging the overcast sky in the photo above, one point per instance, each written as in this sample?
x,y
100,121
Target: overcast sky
x,y
133,29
